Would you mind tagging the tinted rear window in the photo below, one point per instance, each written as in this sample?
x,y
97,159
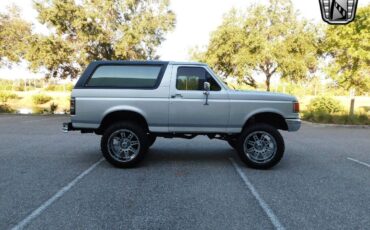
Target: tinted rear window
x,y
125,76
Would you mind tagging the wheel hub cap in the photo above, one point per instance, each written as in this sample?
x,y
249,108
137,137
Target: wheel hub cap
x,y
123,145
260,146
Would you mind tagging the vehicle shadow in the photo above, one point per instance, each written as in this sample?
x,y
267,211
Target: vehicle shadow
x,y
163,155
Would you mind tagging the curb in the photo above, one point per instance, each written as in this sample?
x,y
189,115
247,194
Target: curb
x,y
336,125
31,115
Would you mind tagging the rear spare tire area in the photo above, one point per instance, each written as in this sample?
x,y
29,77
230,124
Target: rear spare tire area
x,y
124,144
260,146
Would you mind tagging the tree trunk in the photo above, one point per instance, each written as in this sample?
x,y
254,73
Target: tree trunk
x,y
352,107
352,94
268,78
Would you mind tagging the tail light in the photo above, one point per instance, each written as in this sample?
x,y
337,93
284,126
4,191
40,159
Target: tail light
x,y
296,107
73,106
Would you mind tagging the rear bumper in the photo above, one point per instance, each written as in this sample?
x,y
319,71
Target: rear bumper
x,y
68,127
293,124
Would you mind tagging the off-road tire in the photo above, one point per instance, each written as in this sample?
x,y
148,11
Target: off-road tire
x,y
274,133
141,136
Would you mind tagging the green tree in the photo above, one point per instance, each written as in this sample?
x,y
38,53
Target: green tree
x,y
348,47
223,48
87,30
268,40
14,33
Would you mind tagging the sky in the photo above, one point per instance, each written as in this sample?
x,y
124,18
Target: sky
x,y
196,19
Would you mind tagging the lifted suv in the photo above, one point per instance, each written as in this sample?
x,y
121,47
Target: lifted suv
x,y
131,103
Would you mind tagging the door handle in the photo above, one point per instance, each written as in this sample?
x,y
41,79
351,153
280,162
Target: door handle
x,y
207,94
176,95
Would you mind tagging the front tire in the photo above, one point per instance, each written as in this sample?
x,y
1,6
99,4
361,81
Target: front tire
x,y
260,146
124,144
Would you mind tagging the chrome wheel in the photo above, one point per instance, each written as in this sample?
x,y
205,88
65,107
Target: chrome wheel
x,y
260,147
123,145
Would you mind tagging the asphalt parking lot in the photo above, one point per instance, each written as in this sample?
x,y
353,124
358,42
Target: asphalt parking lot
x,y
53,180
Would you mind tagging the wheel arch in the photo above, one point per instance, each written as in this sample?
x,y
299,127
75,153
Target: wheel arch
x,y
270,117
122,114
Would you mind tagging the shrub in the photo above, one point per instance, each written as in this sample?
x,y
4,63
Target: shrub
x,y
5,96
40,99
364,109
37,110
69,87
59,88
4,85
53,108
6,109
51,88
19,88
324,105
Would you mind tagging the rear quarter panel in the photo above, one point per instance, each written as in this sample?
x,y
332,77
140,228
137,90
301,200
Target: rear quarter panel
x,y
92,105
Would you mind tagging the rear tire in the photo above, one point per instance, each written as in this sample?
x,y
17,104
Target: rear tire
x,y
124,144
260,146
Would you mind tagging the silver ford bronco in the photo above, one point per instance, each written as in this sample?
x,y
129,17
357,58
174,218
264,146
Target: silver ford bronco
x,y
131,103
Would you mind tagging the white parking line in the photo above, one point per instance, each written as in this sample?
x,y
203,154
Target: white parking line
x,y
359,162
56,196
273,218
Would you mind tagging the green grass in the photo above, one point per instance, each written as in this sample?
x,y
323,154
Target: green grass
x,y
337,118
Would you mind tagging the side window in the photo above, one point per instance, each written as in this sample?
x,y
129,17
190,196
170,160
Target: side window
x,y
214,85
193,78
190,78
125,76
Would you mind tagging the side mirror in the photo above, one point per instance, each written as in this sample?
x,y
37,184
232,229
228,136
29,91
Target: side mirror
x,y
207,86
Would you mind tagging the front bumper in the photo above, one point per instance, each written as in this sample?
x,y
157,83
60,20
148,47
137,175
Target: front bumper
x,y
293,124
